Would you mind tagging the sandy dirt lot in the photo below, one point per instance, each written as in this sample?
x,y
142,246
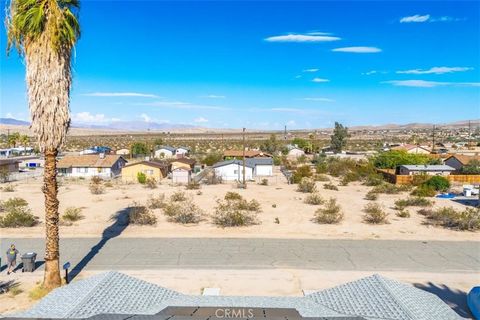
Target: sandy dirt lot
x,y
278,200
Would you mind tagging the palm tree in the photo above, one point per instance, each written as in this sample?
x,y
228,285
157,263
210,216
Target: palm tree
x,y
44,33
24,140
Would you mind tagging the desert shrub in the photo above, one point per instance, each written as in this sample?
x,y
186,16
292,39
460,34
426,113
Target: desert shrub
x,y
151,183
371,196
419,179
448,217
423,191
307,185
321,178
212,179
178,196
96,180
16,213
72,214
141,215
38,292
277,220
184,212
141,177
437,183
108,184
9,188
300,173
331,213
264,182
230,214
193,185
389,188
212,158
403,213
156,202
330,186
314,199
4,174
231,195
96,188
374,214
373,179
412,202
350,177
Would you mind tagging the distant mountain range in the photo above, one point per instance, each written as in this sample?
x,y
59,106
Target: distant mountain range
x,y
117,125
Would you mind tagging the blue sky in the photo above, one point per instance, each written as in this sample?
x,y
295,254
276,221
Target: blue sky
x,y
267,64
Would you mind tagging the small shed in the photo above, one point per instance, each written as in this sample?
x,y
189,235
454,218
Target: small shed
x,y
181,175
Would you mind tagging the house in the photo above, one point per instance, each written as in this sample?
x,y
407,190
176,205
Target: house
x,y
90,165
238,154
372,297
458,161
232,170
182,151
182,174
412,148
123,152
17,151
294,151
151,169
96,150
31,162
9,165
262,167
434,170
164,152
181,162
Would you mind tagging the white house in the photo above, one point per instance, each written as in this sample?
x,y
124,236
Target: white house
x,y
294,151
181,151
262,167
181,175
86,166
231,170
434,170
164,152
123,152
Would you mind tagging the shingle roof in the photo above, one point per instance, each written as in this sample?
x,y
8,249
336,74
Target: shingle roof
x,y
154,164
234,161
248,153
429,167
172,149
409,147
89,161
259,161
374,298
464,159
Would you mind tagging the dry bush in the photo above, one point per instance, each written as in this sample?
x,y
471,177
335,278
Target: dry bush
x,y
263,182
15,213
448,217
372,196
234,211
193,185
423,191
314,199
151,183
389,188
156,202
306,185
412,202
231,195
108,184
96,188
141,215
72,214
321,178
331,213
403,213
374,214
185,212
178,196
9,188
330,186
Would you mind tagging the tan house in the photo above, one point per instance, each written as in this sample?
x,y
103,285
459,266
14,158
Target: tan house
x,y
412,148
91,165
182,162
152,169
123,152
458,161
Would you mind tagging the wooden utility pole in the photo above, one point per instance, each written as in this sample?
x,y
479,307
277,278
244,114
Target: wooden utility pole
x,y
244,183
433,139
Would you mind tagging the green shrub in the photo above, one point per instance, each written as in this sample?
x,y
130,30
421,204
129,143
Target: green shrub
x,y
141,215
331,213
72,214
156,202
307,185
423,191
15,214
389,188
393,158
330,186
413,202
13,203
178,196
419,179
184,212
350,177
374,214
300,173
231,195
141,177
373,179
314,199
437,183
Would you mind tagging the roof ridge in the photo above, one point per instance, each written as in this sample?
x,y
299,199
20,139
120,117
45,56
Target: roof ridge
x,y
382,282
106,275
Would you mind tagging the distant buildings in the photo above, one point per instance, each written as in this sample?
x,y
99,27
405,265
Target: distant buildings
x,y
411,148
96,150
87,166
123,152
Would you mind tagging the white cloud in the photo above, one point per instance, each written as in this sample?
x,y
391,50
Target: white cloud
x,y
121,94
320,80
415,18
358,49
311,70
430,84
214,96
200,120
145,117
179,105
309,37
298,76
436,70
291,123
87,117
319,99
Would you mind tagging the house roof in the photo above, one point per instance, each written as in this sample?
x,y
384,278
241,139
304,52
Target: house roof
x,y
428,167
464,159
172,149
183,167
234,161
183,160
185,148
154,164
248,153
259,161
409,147
89,161
114,293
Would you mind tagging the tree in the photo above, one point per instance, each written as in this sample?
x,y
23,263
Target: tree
x,y
139,148
13,139
271,145
24,140
339,138
44,33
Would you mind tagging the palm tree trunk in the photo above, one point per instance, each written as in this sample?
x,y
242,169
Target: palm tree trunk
x,y
51,278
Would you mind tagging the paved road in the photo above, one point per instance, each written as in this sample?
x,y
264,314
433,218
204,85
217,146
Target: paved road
x,y
362,255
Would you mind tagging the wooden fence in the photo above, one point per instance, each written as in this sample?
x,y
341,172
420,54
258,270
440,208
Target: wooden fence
x,y
390,176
